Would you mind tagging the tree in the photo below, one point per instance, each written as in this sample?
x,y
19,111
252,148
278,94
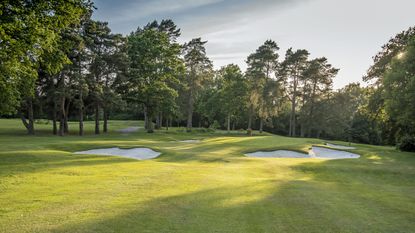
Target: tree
x,y
198,70
233,92
391,76
154,68
316,80
262,66
399,90
292,68
30,29
103,50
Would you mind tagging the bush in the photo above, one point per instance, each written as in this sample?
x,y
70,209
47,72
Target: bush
x,y
249,132
215,125
407,143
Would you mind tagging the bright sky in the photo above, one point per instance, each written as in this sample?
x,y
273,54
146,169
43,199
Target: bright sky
x,y
347,32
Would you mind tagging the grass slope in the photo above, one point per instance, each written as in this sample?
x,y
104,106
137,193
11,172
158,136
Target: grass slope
x,y
204,187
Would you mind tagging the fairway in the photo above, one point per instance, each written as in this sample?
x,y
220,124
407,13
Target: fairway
x,y
209,186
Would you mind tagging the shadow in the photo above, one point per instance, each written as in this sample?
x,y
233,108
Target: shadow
x,y
266,206
370,194
36,161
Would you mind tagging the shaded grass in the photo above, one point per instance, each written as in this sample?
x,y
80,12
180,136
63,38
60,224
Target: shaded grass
x,y
197,187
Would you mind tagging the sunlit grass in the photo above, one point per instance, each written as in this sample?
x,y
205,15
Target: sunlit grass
x,y
208,186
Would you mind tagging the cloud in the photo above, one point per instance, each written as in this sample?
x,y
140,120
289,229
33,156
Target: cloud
x,y
347,32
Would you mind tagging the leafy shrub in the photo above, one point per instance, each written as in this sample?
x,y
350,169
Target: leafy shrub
x,y
215,125
407,143
249,132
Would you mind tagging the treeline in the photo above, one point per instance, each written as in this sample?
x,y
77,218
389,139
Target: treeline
x,y
59,64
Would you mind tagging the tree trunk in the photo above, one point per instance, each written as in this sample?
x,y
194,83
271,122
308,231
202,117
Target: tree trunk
x,y
250,117
261,125
229,123
190,113
81,116
31,129
310,115
97,119
62,117
161,120
54,117
28,123
66,127
150,125
292,118
105,126
145,118
293,105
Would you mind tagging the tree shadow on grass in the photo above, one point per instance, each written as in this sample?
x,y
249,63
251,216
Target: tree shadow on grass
x,y
37,161
293,206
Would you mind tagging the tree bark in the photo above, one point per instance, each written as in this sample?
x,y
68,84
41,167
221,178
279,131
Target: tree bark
x,y
292,118
97,119
31,130
250,117
150,126
145,118
54,117
105,126
66,126
28,123
310,115
62,117
81,116
190,113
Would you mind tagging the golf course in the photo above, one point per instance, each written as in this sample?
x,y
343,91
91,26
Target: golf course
x,y
207,116
207,186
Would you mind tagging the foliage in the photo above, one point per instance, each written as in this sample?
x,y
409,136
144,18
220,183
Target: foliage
x,y
30,30
406,143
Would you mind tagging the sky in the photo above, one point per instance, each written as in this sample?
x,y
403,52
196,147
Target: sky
x,y
348,32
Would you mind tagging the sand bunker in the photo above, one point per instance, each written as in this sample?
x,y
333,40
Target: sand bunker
x,y
325,153
278,154
129,130
134,153
340,146
315,152
190,141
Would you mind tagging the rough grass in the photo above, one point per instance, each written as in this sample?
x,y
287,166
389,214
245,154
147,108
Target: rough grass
x,y
201,187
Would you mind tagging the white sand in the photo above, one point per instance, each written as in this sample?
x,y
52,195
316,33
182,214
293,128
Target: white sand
x,y
135,153
340,146
324,153
129,130
190,141
278,154
315,152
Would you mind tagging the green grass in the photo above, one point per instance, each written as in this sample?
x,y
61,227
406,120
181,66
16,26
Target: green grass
x,y
204,187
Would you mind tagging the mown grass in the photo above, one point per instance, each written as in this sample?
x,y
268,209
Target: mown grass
x,y
204,187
